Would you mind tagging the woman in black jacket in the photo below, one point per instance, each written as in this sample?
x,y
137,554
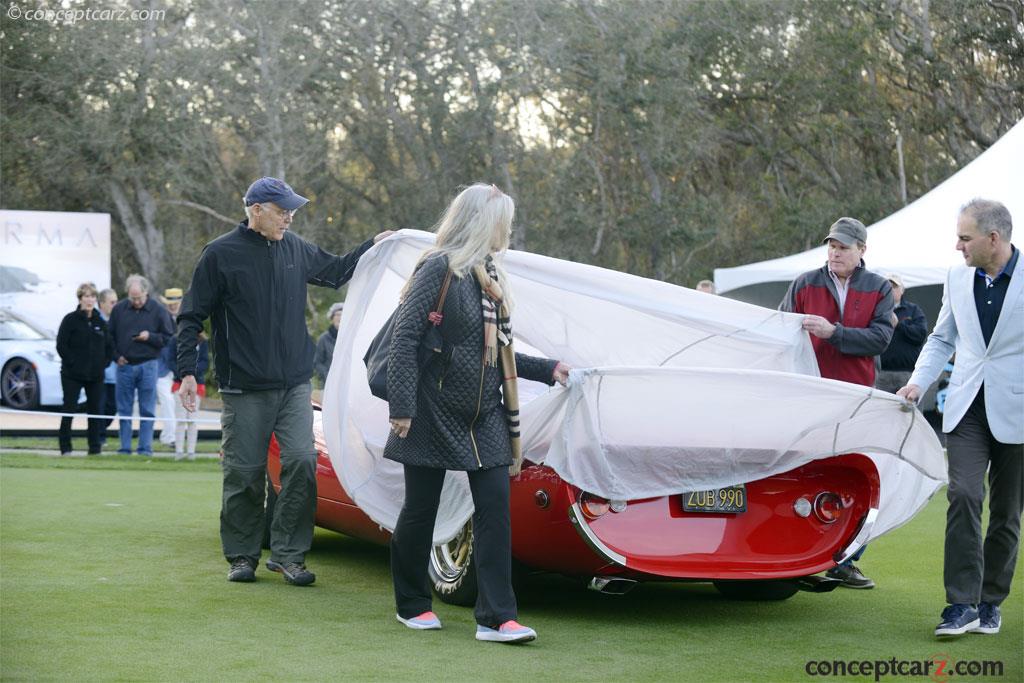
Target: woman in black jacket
x,y
85,349
459,410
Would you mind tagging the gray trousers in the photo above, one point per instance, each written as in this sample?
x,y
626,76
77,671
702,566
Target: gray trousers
x,y
247,422
976,571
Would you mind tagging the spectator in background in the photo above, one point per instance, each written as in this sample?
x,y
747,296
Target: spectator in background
x,y
706,286
140,327
85,349
897,362
105,303
325,345
165,372
848,313
186,429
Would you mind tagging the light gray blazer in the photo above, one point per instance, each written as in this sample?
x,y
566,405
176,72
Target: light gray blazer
x,y
1000,366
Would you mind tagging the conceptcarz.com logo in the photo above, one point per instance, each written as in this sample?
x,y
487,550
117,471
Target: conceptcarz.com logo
x,y
940,668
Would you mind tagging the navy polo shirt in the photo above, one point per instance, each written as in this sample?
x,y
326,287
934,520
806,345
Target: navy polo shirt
x,y
989,294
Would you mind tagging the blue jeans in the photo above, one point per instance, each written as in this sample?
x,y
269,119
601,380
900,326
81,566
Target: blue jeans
x,y
139,378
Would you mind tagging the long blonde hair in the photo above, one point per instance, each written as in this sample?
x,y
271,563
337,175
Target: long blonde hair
x,y
478,222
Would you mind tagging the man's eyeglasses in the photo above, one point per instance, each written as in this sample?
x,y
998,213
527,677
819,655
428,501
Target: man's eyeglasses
x,y
279,211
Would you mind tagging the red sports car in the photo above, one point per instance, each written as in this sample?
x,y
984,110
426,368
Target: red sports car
x,y
762,540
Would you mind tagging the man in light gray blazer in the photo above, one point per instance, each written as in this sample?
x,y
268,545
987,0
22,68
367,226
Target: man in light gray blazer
x,y
982,321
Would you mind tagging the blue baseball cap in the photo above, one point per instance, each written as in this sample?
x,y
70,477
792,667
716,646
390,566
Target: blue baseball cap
x,y
276,191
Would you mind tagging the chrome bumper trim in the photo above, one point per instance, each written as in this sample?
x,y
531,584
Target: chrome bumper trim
x,y
860,539
595,543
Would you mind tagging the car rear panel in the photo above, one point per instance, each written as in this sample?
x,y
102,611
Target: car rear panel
x,y
658,538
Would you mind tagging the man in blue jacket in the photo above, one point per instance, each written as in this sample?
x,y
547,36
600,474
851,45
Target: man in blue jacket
x,y
140,327
251,283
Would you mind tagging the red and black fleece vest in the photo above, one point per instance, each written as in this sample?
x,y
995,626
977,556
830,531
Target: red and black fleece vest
x,y
863,328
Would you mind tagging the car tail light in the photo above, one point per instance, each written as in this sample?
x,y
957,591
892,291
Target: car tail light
x,y
593,506
828,507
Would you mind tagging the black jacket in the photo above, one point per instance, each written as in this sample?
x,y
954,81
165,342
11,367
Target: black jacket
x,y
84,345
254,291
126,322
907,339
458,420
325,352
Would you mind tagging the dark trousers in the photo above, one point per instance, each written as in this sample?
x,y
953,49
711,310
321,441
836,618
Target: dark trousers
x,y
109,404
93,402
975,570
247,422
492,543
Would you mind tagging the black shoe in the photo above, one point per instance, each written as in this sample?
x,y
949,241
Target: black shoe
x,y
851,576
241,570
294,572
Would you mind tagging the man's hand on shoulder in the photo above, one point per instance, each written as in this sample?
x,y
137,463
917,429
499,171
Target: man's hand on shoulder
x,y
818,326
383,236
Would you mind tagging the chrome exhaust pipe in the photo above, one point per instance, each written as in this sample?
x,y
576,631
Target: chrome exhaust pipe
x,y
611,585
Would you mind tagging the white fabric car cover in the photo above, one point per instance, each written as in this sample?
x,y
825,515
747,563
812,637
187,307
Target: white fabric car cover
x,y
673,390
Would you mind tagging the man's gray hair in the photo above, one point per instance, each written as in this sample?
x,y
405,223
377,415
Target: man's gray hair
x,y
106,294
136,279
990,216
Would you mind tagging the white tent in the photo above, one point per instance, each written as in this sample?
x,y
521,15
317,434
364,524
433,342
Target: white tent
x,y
918,240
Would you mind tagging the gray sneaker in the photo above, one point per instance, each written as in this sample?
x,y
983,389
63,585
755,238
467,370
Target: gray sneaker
x,y
295,573
241,570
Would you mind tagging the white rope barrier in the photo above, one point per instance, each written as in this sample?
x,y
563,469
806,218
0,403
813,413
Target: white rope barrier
x,y
11,411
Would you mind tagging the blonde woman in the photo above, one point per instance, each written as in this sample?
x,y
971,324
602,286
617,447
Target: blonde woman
x,y
460,410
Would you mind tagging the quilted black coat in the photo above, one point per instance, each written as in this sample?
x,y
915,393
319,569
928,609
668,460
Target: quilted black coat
x,y
458,420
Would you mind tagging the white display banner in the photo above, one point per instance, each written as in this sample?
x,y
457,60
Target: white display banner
x,y
45,256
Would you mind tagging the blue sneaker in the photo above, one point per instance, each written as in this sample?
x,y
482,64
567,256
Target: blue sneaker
x,y
957,620
427,621
988,616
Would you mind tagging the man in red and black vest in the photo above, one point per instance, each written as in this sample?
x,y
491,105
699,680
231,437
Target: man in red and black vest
x,y
849,315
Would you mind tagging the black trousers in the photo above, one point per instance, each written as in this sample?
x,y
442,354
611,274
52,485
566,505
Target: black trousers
x,y
109,404
492,543
975,570
94,406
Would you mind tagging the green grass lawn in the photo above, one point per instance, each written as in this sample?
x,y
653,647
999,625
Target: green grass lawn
x,y
40,443
110,569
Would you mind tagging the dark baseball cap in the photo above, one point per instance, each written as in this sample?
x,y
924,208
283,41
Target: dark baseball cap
x,y
276,191
849,231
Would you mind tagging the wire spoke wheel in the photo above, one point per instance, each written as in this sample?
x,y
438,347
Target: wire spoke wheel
x,y
451,569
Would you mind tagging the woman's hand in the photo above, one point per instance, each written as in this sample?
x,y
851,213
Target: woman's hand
x,y
400,426
561,374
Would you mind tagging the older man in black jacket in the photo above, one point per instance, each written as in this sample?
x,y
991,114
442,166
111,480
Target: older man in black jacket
x,y
251,283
